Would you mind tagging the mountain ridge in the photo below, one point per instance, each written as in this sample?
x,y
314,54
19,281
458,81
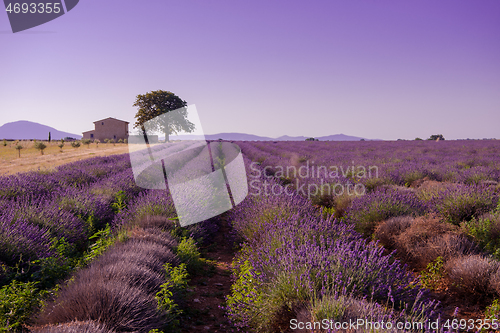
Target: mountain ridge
x,y
29,130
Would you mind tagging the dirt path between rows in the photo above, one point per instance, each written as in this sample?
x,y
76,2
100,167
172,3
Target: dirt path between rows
x,y
207,292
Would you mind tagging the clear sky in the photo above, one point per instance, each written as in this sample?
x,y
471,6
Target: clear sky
x,y
383,69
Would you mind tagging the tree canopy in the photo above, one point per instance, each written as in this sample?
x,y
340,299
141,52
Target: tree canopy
x,y
436,137
155,108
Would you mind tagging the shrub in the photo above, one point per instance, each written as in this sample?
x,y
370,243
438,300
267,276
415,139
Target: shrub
x,y
188,253
464,203
120,307
493,311
4,143
18,300
39,145
471,274
145,254
75,144
87,142
61,145
495,282
132,274
366,211
423,239
120,141
486,232
432,276
388,231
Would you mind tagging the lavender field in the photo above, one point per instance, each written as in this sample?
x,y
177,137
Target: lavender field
x,y
404,233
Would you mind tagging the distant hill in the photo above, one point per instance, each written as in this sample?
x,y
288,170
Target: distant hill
x,y
251,137
26,130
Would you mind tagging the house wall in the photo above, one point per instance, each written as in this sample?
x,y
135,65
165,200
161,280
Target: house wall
x,y
110,129
88,135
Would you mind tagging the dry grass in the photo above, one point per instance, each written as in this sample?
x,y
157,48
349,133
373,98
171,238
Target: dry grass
x,y
32,159
472,274
421,240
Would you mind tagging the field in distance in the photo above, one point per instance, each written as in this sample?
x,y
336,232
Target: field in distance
x,y
32,159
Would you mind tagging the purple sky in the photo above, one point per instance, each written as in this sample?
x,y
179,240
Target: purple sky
x,y
376,69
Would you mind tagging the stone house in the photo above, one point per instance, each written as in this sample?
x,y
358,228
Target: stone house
x,y
109,128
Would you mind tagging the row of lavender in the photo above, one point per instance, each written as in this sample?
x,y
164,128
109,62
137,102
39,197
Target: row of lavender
x,y
300,266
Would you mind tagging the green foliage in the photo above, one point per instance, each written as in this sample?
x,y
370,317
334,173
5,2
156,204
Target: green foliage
x,y
436,137
39,145
177,282
177,277
486,232
188,253
120,202
18,300
75,144
104,239
418,139
156,103
328,307
244,290
61,145
493,311
4,142
52,269
87,142
50,138
312,139
120,141
433,274
465,205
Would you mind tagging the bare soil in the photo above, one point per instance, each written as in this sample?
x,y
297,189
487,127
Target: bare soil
x,y
207,292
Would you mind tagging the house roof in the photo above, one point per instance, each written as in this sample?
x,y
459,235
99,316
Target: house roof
x,y
88,132
123,121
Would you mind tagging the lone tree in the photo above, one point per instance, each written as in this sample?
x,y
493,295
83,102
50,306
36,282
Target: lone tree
x,y
155,106
436,137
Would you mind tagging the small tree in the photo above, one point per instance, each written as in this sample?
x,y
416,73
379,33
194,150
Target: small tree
x,y
19,147
49,137
75,144
87,142
112,141
436,137
97,141
61,145
4,142
120,141
40,146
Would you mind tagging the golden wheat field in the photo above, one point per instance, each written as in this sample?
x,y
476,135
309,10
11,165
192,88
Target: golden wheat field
x,y
32,159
